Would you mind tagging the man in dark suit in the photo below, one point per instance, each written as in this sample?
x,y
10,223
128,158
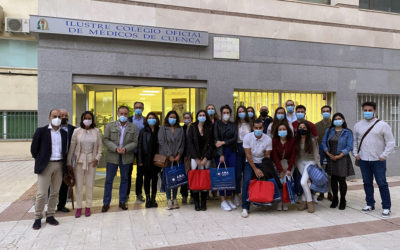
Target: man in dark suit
x,y
49,148
62,198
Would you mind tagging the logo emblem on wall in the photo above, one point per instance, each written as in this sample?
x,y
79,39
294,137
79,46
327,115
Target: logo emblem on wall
x,y
42,24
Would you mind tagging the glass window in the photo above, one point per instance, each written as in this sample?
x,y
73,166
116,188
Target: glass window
x,y
19,54
381,5
275,99
18,125
387,109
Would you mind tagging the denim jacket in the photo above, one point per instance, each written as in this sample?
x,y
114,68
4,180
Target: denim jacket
x,y
345,143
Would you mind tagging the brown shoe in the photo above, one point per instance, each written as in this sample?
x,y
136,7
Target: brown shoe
x,y
123,206
302,206
310,206
320,197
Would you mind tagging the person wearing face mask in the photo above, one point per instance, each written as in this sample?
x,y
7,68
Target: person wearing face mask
x,y
244,127
279,117
187,122
225,136
265,118
257,146
373,143
212,112
147,148
252,115
200,147
120,139
138,120
49,149
337,144
301,117
62,197
321,127
307,154
291,116
171,139
84,154
283,154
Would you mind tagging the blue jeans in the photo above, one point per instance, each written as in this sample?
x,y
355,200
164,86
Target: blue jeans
x,y
230,161
247,175
111,171
369,169
174,190
240,162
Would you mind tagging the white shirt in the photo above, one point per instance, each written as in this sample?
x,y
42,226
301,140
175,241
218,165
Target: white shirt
x,y
56,144
291,118
244,129
257,146
378,143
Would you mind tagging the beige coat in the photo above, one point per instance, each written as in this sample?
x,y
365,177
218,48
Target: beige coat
x,y
74,154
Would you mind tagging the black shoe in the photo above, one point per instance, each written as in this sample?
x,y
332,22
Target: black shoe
x,y
123,206
37,224
330,197
196,198
320,197
139,197
184,199
148,201
63,209
153,202
105,208
203,201
52,221
335,202
342,205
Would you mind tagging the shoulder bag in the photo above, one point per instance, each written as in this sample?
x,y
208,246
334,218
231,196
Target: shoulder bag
x,y
160,160
362,139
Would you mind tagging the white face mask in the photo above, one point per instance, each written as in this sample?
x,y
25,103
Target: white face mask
x,y
56,122
226,117
87,123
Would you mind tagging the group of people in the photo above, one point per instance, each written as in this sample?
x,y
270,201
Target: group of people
x,y
208,140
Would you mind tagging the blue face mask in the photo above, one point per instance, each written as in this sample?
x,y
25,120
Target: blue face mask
x,y
326,115
211,112
201,119
151,121
251,114
290,109
300,116
123,119
242,115
138,112
338,123
280,117
258,132
368,115
282,133
172,121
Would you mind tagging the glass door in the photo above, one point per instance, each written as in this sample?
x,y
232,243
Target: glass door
x,y
104,108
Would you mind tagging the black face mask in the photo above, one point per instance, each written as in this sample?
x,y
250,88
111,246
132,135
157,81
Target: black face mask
x,y
264,113
303,132
64,121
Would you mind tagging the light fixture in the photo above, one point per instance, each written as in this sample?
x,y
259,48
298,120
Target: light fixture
x,y
151,91
146,94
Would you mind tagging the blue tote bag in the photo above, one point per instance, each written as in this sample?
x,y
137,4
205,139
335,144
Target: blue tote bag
x,y
222,178
317,175
290,186
175,176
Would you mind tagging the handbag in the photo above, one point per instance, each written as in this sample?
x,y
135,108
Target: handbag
x,y
261,191
222,178
199,180
362,139
285,194
317,175
290,189
175,176
161,160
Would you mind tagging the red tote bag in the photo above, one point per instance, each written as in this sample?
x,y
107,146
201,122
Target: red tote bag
x,y
199,180
285,194
261,191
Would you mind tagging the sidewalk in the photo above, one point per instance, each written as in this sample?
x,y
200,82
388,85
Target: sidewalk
x,y
140,228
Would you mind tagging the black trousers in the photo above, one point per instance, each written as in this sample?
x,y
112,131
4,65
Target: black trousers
x,y
62,196
339,184
139,179
150,180
185,190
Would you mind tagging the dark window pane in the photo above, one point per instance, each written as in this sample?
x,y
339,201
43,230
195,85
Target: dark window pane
x,y
318,1
364,4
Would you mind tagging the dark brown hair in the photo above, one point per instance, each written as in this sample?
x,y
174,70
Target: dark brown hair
x,y
93,125
246,118
166,122
288,129
156,117
276,122
308,144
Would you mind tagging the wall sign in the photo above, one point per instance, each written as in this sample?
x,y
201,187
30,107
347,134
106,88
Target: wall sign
x,y
74,27
226,48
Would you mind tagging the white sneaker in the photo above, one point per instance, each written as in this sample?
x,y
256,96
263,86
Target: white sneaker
x,y
386,213
279,206
169,205
314,198
225,206
245,213
230,203
237,200
285,207
367,209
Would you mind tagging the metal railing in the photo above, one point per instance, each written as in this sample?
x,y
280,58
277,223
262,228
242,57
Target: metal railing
x,y
17,125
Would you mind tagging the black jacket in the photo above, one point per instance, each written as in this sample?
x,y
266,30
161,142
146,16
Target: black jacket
x,y
41,148
147,146
266,122
268,169
193,146
225,132
70,132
